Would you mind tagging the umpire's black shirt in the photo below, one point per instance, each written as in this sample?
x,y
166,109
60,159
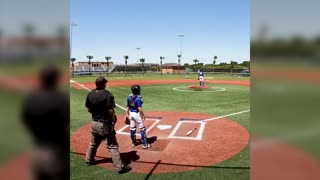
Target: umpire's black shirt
x,y
99,102
45,113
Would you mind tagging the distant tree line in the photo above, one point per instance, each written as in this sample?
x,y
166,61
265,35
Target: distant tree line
x,y
223,66
297,46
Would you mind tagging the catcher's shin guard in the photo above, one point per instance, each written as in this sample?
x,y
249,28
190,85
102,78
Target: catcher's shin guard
x,y
133,136
143,136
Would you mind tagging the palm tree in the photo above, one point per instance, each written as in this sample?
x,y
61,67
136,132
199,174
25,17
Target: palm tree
x,y
28,30
108,58
126,61
73,60
214,61
161,58
72,65
195,63
62,32
1,32
89,62
142,62
232,63
179,58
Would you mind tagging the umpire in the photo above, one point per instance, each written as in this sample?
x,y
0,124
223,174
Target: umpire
x,y
100,103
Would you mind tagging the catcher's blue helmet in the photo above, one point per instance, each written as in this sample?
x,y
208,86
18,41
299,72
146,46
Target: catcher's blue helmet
x,y
135,89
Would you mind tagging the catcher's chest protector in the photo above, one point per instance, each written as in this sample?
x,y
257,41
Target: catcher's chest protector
x,y
132,103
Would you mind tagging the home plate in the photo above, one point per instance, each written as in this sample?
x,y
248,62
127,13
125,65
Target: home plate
x,y
164,127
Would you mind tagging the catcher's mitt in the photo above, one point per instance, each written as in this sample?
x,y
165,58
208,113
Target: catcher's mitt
x,y
126,120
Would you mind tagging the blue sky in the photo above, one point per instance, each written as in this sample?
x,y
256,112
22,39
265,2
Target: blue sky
x,y
45,16
285,18
116,28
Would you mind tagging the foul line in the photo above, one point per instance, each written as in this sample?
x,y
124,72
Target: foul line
x,y
220,117
120,131
81,85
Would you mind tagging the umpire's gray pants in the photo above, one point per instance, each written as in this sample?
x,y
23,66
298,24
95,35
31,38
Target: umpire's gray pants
x,y
99,132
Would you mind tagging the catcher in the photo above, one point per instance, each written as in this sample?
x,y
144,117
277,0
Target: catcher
x,y
136,116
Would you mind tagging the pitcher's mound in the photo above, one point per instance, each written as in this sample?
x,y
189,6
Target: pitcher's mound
x,y
196,87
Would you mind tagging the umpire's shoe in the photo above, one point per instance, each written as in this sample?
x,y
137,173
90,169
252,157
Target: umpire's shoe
x,y
124,169
90,163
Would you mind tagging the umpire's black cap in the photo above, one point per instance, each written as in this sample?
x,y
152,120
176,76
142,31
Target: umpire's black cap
x,y
101,82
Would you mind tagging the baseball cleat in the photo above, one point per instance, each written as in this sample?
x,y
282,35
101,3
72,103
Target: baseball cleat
x,y
145,146
90,163
124,169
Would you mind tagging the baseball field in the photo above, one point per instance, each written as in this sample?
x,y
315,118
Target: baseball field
x,y
218,148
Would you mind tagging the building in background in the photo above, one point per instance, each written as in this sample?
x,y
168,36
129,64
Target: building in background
x,y
172,68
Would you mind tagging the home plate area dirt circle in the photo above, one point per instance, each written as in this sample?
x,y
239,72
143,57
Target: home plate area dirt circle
x,y
172,151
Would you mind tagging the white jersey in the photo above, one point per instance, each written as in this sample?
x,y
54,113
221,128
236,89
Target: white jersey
x,y
201,76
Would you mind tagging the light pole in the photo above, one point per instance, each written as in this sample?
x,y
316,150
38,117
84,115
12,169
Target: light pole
x,y
138,54
179,59
161,58
71,26
180,54
181,36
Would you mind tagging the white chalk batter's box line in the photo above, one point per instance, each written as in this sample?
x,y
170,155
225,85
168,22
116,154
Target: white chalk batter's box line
x,y
120,131
200,132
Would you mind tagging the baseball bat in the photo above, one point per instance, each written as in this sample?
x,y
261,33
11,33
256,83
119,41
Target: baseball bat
x,y
190,132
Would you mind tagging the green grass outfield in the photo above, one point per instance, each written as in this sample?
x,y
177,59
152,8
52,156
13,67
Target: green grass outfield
x,y
150,76
164,98
14,138
20,141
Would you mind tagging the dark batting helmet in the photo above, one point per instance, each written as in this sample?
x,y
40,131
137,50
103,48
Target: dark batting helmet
x,y
135,89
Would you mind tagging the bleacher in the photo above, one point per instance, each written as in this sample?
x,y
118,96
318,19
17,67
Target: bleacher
x,y
85,68
133,67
